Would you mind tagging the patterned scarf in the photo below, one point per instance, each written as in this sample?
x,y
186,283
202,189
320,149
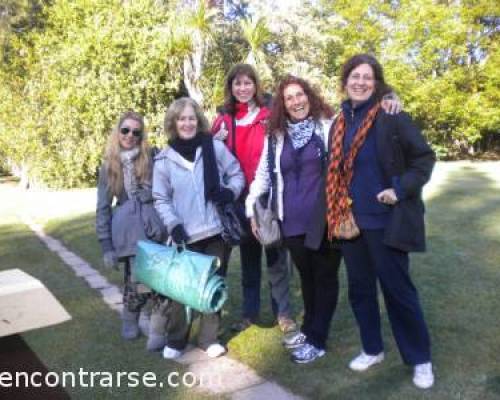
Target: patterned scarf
x,y
300,133
339,174
127,158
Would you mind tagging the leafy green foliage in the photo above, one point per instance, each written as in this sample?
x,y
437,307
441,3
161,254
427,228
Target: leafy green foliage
x,y
70,68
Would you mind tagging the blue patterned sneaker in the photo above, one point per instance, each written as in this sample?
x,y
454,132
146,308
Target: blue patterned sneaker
x,y
306,354
294,340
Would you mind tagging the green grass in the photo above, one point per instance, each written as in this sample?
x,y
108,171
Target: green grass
x,y
90,340
458,280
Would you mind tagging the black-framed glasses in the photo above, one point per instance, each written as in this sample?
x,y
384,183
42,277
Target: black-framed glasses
x,y
136,132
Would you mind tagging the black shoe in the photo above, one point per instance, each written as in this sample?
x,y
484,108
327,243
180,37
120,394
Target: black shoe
x,y
242,325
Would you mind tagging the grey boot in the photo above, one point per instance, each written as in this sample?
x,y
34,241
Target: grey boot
x,y
157,333
130,326
144,320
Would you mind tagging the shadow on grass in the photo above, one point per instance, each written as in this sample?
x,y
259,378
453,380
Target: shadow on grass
x,y
458,281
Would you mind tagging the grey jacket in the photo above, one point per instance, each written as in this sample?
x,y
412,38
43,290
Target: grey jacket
x,y
179,195
119,228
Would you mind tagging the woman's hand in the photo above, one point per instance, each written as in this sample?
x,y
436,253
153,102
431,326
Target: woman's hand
x,y
387,196
253,224
391,104
222,132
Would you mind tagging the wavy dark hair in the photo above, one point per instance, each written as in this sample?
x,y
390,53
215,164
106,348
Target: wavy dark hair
x,y
318,108
381,88
241,70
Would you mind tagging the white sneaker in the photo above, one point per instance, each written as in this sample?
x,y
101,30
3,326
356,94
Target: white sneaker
x,y
365,361
215,350
423,376
169,353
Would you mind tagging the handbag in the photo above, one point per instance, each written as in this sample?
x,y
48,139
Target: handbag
x,y
346,228
268,226
234,223
154,229
235,226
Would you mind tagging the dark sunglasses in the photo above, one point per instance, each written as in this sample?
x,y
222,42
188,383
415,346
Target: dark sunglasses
x,y
136,132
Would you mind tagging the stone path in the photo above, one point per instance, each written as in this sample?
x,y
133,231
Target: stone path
x,y
244,383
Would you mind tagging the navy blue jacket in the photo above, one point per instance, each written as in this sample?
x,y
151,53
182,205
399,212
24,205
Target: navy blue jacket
x,y
404,152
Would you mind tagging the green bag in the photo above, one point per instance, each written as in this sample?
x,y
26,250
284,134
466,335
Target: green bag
x,y
184,276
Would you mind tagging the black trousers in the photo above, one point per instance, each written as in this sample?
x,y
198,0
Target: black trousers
x,y
318,270
178,327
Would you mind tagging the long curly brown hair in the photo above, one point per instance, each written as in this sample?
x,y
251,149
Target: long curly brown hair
x,y
279,116
112,160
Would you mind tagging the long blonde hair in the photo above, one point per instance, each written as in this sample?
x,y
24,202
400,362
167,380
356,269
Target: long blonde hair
x,y
112,160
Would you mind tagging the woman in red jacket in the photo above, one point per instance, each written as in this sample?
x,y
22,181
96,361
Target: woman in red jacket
x,y
242,125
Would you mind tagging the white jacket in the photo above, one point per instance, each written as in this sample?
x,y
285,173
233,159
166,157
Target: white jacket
x,y
262,182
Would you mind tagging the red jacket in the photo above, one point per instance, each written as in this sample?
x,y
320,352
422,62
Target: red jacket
x,y
249,137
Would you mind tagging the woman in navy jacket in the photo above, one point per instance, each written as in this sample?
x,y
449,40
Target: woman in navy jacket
x,y
378,166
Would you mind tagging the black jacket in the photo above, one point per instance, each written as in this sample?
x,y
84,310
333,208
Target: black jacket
x,y
404,152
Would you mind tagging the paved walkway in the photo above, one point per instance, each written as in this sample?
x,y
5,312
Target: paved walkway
x,y
245,383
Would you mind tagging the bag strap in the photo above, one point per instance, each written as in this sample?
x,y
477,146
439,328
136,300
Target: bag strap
x,y
271,151
233,135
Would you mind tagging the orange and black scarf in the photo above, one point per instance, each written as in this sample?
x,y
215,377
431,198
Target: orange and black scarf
x,y
340,170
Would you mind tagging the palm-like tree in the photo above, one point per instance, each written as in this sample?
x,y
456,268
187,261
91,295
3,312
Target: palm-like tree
x,y
257,35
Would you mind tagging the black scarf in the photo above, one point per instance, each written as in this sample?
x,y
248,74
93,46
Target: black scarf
x,y
186,147
211,177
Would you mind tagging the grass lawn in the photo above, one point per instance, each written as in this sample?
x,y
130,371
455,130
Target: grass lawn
x,y
458,280
90,340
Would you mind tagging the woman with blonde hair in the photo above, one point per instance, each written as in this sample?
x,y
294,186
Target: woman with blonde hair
x,y
192,177
125,176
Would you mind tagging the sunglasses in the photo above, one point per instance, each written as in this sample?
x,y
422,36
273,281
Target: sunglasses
x,y
136,132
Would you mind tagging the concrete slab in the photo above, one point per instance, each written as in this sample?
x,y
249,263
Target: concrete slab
x,y
192,355
97,281
26,304
70,258
52,244
267,390
224,375
84,270
111,295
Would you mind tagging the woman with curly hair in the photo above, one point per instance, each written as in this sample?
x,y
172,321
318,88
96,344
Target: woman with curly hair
x,y
292,169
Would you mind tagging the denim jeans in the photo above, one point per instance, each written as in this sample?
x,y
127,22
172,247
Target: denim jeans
x,y
278,268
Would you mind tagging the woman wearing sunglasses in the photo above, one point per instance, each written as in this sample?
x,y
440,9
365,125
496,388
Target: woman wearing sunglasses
x,y
125,175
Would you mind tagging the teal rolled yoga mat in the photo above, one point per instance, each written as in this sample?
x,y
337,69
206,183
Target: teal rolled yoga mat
x,y
182,275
